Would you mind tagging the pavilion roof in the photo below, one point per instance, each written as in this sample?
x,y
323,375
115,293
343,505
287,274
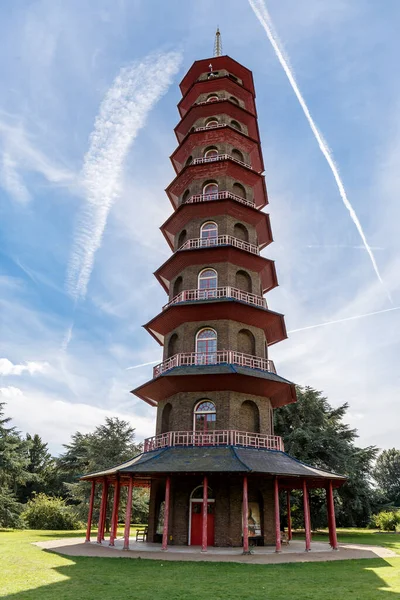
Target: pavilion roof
x,y
218,459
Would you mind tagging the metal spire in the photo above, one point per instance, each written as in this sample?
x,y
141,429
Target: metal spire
x,y
218,44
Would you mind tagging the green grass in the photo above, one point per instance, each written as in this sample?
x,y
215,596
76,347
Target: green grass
x,y
28,573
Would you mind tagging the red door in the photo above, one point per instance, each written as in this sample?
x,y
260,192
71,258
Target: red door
x,y
197,523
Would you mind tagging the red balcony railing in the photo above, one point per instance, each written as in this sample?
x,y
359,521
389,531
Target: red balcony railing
x,y
221,240
227,437
217,126
188,359
218,196
218,293
218,157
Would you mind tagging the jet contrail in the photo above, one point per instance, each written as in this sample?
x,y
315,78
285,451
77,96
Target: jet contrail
x,y
378,312
123,113
152,362
261,12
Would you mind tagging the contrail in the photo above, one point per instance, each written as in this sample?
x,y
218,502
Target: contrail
x,y
261,12
378,312
122,114
152,362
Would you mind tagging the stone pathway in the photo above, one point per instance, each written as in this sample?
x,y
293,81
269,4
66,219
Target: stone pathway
x,y
321,551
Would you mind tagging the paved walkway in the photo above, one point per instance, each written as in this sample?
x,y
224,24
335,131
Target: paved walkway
x,y
294,552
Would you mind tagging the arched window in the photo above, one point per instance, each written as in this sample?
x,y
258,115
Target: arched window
x,y
209,233
240,232
237,155
173,345
234,100
182,238
249,417
204,416
197,493
239,190
186,195
236,125
212,98
189,160
246,342
211,153
177,288
243,281
211,191
166,418
213,122
206,347
207,283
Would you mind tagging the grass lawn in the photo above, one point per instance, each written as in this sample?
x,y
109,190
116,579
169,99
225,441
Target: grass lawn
x,y
28,573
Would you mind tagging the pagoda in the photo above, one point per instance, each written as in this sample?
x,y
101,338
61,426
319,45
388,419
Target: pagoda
x,y
215,469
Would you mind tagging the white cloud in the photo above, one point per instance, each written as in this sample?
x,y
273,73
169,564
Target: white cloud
x,y
11,180
8,368
10,392
123,113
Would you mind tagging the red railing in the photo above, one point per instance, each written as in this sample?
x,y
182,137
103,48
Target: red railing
x,y
218,157
218,196
188,359
217,294
217,126
221,240
229,437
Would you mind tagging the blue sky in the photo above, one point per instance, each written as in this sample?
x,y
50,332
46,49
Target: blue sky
x,y
81,177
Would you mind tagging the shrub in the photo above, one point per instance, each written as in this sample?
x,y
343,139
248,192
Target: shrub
x,y
387,520
46,512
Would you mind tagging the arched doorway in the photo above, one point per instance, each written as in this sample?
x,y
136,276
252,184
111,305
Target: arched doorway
x,y
196,517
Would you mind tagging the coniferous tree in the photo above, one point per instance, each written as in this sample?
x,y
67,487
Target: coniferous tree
x,y
387,474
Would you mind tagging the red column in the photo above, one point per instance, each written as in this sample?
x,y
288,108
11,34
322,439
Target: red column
x,y
245,516
166,514
128,514
278,544
307,525
331,517
289,516
114,518
103,509
205,515
90,515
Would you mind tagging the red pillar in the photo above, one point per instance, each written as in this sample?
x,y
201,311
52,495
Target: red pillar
x,y
307,524
103,510
331,517
114,518
128,514
166,514
90,515
278,544
289,516
245,516
205,515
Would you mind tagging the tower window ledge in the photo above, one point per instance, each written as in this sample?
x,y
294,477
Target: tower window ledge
x,y
226,437
218,294
218,157
221,240
227,357
225,195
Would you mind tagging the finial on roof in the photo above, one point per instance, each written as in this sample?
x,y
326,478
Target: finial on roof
x,y
217,44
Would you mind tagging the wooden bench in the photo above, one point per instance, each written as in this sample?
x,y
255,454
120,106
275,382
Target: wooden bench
x,y
284,538
141,533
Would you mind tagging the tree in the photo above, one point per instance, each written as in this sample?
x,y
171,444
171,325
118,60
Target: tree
x,y
109,445
14,459
387,474
41,467
315,433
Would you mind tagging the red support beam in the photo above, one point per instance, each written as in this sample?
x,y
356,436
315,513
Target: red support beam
x,y
331,517
307,524
278,544
90,515
103,511
166,514
289,516
114,518
245,516
128,514
205,515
